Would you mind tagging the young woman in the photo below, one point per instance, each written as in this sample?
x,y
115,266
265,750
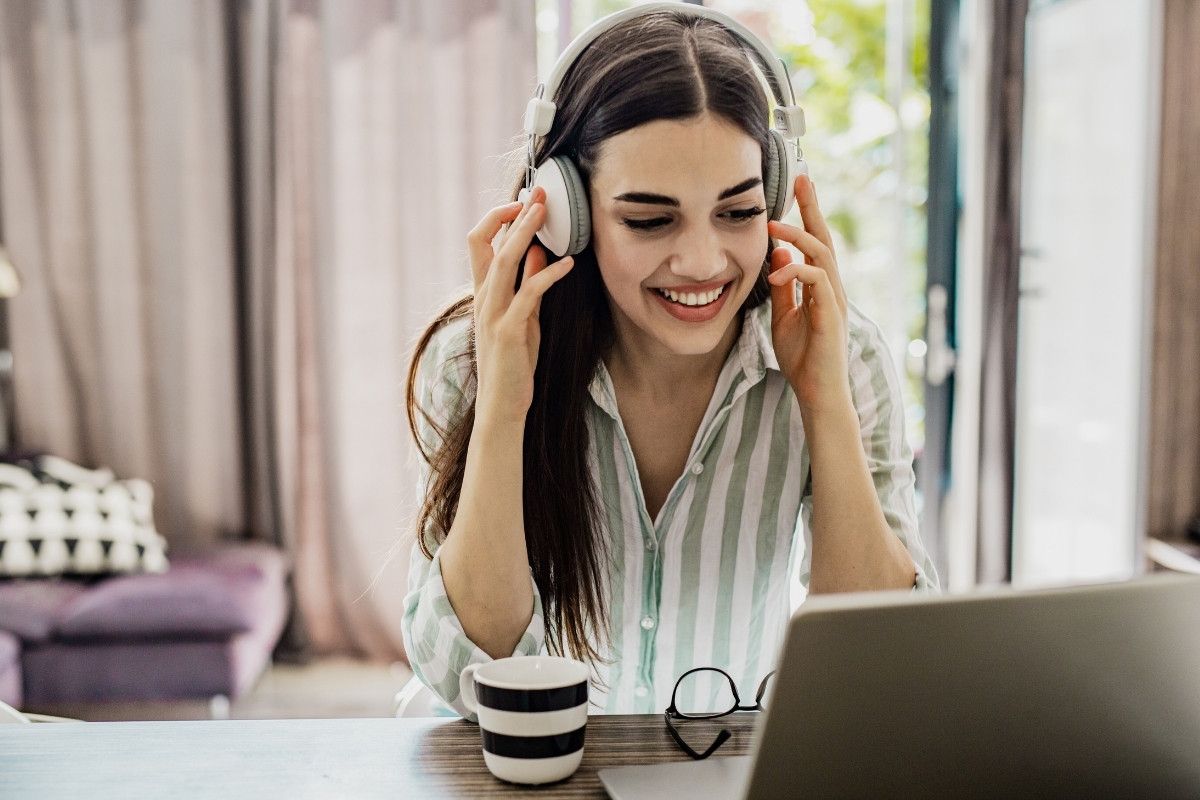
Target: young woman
x,y
623,448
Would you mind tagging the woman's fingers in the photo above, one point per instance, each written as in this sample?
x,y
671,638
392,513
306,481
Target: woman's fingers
x,y
535,262
818,291
479,240
528,301
783,293
516,242
815,250
482,243
810,212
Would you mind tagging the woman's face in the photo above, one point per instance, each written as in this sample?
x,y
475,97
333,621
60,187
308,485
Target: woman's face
x,y
678,205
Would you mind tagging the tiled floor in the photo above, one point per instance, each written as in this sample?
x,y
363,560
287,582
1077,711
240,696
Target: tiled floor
x,y
331,687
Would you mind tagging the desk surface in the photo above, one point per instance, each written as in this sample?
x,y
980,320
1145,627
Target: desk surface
x,y
313,758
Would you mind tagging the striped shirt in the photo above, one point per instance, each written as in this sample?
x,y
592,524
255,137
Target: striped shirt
x,y
708,582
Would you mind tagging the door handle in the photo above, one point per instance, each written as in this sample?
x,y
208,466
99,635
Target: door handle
x,y
934,359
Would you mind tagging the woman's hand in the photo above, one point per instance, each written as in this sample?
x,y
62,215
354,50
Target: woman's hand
x,y
507,331
810,339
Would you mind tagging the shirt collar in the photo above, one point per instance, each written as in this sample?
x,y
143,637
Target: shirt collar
x,y
753,350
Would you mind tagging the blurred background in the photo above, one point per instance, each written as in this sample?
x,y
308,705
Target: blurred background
x,y
223,223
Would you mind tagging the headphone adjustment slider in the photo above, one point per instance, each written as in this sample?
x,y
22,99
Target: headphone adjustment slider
x,y
789,120
539,116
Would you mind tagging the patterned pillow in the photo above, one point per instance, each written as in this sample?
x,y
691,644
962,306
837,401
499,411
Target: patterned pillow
x,y
58,518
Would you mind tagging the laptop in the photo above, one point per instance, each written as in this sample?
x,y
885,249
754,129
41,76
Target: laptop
x,y
1082,691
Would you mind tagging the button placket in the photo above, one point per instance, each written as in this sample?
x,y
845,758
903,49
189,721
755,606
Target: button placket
x,y
652,576
710,436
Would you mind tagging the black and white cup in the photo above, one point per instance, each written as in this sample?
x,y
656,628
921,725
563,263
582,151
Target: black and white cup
x,y
532,714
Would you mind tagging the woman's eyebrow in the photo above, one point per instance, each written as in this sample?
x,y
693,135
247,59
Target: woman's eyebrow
x,y
663,200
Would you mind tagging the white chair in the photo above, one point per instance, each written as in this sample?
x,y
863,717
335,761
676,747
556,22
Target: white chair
x,y
10,714
418,700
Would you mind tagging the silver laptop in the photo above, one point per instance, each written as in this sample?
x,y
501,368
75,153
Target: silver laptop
x,y
1084,691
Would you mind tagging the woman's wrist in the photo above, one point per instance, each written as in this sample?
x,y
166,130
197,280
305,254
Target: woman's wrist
x,y
492,421
831,413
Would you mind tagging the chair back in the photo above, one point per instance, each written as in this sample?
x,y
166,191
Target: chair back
x,y
10,714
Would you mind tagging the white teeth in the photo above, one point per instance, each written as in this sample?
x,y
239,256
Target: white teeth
x,y
691,298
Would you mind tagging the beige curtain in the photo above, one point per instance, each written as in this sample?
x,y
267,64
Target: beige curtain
x,y
379,154
234,225
115,194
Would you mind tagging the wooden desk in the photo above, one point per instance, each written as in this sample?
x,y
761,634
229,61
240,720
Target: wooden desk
x,y
295,759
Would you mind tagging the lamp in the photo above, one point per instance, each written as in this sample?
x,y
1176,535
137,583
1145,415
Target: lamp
x,y
10,286
10,280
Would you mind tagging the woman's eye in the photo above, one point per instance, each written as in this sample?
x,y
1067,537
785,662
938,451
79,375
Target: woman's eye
x,y
746,213
646,224
741,215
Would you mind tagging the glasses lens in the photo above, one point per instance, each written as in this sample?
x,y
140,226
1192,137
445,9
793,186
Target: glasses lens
x,y
704,693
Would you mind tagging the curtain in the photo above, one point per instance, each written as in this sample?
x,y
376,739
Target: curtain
x,y
380,152
115,196
1002,204
234,217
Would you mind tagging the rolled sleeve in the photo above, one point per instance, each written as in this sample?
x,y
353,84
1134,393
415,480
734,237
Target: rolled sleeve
x,y
438,648
875,389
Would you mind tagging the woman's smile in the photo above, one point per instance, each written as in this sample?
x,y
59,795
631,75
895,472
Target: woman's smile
x,y
692,306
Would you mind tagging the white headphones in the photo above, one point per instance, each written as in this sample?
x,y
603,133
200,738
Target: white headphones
x,y
568,224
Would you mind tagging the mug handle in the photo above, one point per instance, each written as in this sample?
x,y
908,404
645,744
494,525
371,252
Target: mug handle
x,y
466,687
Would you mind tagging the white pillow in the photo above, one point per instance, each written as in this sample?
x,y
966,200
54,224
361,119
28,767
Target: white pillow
x,y
58,518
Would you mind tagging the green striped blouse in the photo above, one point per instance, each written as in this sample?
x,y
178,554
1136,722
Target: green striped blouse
x,y
708,582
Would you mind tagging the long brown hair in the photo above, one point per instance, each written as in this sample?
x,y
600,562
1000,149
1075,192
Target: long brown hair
x,y
661,65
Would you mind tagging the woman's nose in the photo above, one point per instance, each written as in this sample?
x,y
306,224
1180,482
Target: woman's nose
x,y
701,255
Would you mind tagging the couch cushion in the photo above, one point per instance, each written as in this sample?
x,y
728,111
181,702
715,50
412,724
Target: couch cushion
x,y
58,518
215,594
33,608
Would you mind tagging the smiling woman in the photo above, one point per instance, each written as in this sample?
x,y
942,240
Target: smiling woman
x,y
659,227
631,450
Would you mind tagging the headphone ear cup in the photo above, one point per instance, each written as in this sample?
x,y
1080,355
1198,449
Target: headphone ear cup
x,y
581,210
776,184
568,226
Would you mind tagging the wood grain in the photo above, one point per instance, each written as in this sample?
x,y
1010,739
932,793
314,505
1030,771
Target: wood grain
x,y
1174,469
353,758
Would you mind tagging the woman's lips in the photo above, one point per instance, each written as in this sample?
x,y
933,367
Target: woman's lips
x,y
692,313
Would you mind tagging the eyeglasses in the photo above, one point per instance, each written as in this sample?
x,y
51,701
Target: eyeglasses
x,y
708,693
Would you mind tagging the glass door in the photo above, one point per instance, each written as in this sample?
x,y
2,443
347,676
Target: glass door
x,y
1087,177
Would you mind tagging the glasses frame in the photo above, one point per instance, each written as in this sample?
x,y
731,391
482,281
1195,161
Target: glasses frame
x,y
673,713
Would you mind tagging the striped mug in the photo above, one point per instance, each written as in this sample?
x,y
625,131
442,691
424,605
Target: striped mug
x,y
532,713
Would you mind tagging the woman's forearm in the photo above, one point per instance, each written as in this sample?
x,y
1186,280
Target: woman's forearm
x,y
853,548
485,564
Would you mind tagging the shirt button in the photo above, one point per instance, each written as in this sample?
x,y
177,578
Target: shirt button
x,y
651,545
641,691
697,468
647,623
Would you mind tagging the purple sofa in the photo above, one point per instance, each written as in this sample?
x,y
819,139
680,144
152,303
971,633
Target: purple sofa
x,y
205,627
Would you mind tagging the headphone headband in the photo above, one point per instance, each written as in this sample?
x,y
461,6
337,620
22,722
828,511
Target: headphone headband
x,y
789,117
567,229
